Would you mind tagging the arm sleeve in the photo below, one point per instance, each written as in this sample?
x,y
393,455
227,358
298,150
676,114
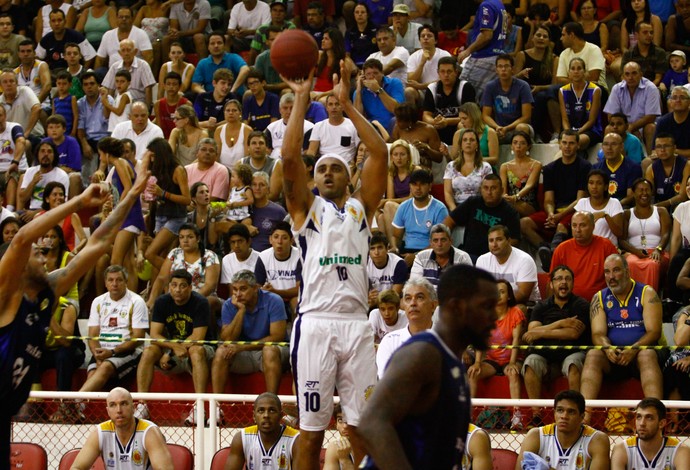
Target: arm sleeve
x,y
400,272
140,314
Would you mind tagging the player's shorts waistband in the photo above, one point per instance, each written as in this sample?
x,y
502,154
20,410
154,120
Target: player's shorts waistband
x,y
337,316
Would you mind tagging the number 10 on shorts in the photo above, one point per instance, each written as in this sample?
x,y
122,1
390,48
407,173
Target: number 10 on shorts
x,y
312,401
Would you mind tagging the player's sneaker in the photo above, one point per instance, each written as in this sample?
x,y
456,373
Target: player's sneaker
x,y
220,418
141,411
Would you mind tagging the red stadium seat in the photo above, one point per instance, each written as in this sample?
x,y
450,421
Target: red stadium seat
x,y
219,459
503,459
68,459
27,455
183,459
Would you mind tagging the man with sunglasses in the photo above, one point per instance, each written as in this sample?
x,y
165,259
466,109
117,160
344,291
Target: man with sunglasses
x,y
28,294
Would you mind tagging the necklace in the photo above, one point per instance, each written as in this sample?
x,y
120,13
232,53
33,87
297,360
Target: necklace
x,y
668,179
643,229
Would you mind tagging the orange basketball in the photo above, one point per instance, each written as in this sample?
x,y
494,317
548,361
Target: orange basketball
x,y
294,54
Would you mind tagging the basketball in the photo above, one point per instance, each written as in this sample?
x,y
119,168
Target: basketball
x,y
294,54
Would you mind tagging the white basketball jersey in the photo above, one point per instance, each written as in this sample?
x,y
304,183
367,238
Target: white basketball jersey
x,y
130,455
278,457
467,456
281,274
663,460
334,247
576,457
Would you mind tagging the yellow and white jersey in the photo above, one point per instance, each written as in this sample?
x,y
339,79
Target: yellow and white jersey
x,y
576,457
130,455
663,460
467,456
278,457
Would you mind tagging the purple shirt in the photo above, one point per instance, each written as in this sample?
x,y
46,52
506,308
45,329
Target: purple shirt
x,y
644,102
69,153
491,14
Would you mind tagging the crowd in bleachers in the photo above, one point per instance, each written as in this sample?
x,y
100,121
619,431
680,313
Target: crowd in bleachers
x,y
186,89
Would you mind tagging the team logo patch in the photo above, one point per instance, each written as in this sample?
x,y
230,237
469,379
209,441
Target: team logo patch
x,y
613,187
676,187
609,304
624,313
137,458
368,392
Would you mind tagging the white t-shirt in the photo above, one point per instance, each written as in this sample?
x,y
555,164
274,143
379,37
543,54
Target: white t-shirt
x,y
389,344
430,70
116,318
20,109
114,119
594,60
124,130
519,267
379,325
682,215
7,147
282,275
232,265
341,139
110,44
276,130
56,174
601,226
399,53
239,16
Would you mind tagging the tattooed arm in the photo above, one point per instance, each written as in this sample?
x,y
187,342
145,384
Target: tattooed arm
x,y
99,242
597,318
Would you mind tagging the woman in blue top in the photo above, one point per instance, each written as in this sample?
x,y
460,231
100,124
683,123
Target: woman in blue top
x,y
580,102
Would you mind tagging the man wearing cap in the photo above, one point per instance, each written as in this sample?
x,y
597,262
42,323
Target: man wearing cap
x,y
415,217
485,43
406,33
650,57
676,122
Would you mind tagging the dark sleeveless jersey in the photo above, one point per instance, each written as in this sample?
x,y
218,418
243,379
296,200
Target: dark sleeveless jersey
x,y
436,440
21,344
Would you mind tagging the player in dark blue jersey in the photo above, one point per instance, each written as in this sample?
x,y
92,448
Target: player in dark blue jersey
x,y
417,417
28,293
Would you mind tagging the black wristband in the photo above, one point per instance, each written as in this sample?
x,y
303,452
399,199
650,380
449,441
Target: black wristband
x,y
14,162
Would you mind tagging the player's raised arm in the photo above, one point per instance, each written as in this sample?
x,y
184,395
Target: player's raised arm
x,y
99,242
375,170
298,198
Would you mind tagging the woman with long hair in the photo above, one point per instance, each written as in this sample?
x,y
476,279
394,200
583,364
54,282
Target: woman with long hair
x,y
232,137
607,211
646,233
172,197
471,118
176,64
186,135
194,258
202,215
332,52
360,41
580,103
54,196
464,174
110,151
510,325
520,176
537,66
398,186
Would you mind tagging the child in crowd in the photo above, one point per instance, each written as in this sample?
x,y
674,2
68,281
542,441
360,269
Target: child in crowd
x,y
339,454
676,75
64,103
241,195
69,152
119,112
164,109
388,317
210,106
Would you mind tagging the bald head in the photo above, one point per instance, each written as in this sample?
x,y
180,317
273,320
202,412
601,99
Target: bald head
x,y
119,393
632,74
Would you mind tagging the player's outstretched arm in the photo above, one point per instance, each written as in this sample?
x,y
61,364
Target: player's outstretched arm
x,y
409,386
298,198
99,242
88,454
374,173
158,451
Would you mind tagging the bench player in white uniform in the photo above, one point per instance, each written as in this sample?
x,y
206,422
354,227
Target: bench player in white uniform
x,y
125,442
478,450
332,343
568,444
650,449
268,445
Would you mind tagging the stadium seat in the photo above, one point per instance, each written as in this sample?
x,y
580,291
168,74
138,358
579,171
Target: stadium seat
x,y
219,459
503,459
68,459
183,459
27,455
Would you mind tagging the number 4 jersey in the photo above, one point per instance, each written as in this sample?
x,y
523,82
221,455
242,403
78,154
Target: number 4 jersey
x,y
334,246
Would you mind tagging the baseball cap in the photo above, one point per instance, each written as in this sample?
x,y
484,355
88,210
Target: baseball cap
x,y
402,9
278,2
680,54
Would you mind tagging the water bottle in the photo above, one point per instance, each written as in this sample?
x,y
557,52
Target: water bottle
x,y
149,194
